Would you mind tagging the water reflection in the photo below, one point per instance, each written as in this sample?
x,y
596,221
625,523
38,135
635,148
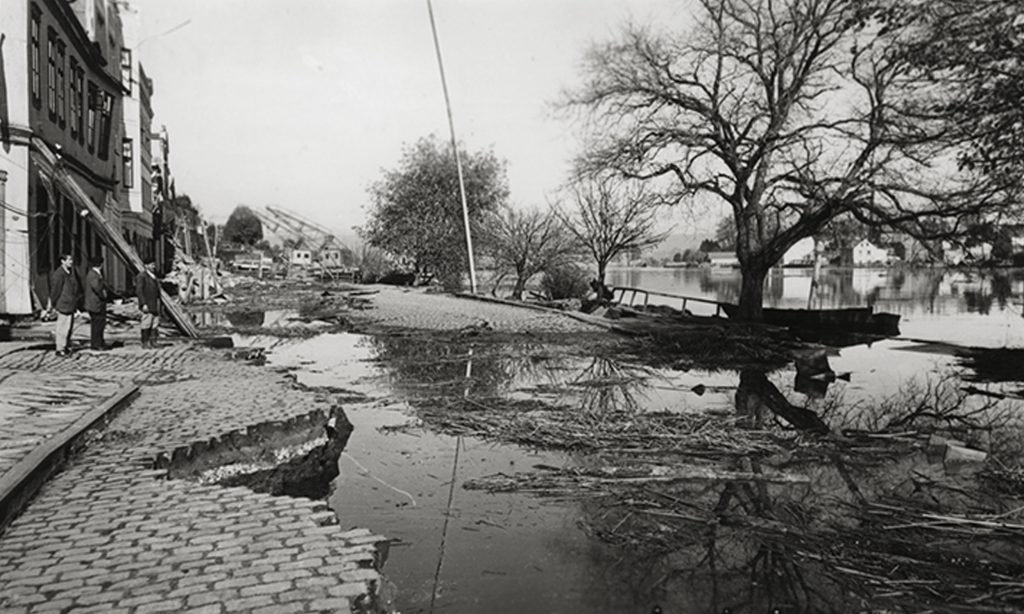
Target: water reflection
x,y
562,374
756,512
757,398
977,308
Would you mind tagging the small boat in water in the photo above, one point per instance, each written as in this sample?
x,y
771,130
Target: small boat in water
x,y
852,319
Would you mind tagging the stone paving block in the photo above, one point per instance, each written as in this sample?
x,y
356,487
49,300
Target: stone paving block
x,y
271,588
212,608
335,605
248,604
166,605
54,605
221,596
282,608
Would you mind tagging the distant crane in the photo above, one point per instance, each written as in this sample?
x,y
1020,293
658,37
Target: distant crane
x,y
310,244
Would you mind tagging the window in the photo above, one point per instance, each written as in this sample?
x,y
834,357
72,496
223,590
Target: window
x,y
75,75
128,163
126,69
51,73
34,57
106,115
92,105
61,86
101,31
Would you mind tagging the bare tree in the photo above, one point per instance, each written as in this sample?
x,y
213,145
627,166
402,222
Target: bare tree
x,y
793,112
524,243
609,216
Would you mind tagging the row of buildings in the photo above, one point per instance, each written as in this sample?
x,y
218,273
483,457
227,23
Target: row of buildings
x,y
805,251
71,86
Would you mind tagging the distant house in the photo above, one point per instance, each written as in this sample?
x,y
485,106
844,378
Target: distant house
x,y
866,252
300,257
723,259
800,254
332,257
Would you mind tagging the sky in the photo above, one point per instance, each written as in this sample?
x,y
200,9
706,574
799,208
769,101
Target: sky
x,y
302,104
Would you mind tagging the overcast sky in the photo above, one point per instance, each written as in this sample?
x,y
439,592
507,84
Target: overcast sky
x,y
302,103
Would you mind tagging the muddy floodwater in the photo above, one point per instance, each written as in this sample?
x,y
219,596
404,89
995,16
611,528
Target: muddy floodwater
x,y
462,549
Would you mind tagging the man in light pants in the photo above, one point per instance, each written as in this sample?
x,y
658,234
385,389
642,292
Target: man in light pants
x,y
147,289
65,292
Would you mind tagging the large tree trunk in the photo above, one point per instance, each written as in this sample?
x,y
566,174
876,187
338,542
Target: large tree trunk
x,y
601,267
519,288
752,291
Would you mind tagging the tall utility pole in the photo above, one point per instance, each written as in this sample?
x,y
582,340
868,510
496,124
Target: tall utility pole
x,y
455,150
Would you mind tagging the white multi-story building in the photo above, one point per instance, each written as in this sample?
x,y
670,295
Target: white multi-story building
x,y
866,252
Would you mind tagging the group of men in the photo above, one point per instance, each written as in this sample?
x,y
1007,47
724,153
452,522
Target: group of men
x,y
68,296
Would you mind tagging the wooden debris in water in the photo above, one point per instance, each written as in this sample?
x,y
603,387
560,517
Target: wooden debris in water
x,y
608,432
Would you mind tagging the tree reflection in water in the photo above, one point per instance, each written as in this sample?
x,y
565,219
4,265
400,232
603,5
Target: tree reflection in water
x,y
422,366
878,524
828,513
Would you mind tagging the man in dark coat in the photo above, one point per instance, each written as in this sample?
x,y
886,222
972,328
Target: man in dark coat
x,y
96,303
147,289
65,293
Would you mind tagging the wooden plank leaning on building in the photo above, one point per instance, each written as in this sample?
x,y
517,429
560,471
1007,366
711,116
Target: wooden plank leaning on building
x,y
125,252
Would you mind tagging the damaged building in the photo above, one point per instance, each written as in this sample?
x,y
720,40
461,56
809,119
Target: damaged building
x,y
74,103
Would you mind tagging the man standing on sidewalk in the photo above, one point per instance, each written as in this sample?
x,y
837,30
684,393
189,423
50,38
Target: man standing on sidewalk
x,y
64,295
96,303
147,288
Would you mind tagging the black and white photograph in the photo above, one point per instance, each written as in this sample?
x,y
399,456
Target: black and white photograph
x,y
512,306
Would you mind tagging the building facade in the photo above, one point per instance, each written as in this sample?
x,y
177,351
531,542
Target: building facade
x,y
70,87
136,160
867,253
163,194
61,95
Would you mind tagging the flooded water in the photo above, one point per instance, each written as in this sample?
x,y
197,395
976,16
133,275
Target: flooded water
x,y
973,308
247,319
465,551
456,550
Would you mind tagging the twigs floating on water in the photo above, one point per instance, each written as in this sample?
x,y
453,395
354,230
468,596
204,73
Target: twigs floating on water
x,y
652,433
562,480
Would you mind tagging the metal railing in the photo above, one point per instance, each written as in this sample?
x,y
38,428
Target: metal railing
x,y
619,295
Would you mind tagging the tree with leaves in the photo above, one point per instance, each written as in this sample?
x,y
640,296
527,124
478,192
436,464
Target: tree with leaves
x,y
608,216
416,210
973,50
790,112
243,227
524,243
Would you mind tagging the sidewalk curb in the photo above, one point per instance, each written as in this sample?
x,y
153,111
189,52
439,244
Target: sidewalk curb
x,y
586,319
10,347
27,476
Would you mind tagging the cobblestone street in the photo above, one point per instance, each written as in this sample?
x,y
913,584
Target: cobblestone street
x,y
111,533
31,410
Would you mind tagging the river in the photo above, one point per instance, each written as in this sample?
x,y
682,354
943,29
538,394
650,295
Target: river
x,y
962,307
